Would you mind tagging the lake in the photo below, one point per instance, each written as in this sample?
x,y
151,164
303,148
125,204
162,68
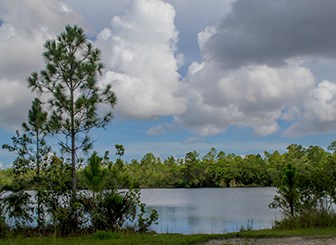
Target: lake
x,y
211,210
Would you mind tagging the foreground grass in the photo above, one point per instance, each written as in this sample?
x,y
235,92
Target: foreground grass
x,y
311,232
114,238
131,238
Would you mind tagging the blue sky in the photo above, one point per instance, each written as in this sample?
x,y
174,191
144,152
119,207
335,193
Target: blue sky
x,y
240,76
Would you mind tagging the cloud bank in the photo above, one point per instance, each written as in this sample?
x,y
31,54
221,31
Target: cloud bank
x,y
254,97
252,72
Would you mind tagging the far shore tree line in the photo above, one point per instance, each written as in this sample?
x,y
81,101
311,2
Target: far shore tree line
x,y
59,193
214,169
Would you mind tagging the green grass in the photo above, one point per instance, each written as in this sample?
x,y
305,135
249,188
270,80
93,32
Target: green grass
x,y
112,238
311,232
133,238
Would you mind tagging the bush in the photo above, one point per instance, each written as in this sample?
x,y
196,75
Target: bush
x,y
111,210
18,207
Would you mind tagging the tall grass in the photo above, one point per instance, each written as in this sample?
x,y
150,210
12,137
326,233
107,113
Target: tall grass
x,y
308,219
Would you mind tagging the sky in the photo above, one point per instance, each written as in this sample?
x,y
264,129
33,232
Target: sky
x,y
241,76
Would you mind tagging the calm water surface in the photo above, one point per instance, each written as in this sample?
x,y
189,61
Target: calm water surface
x,y
211,210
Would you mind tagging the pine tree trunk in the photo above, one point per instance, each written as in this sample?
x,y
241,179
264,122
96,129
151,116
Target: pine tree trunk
x,y
73,162
73,166
39,204
73,143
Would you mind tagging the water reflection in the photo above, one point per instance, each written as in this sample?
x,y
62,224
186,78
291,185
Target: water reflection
x,y
211,210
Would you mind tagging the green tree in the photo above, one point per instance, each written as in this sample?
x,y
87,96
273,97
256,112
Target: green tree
x,y
315,179
120,151
193,170
30,146
32,155
288,198
228,169
150,171
275,162
173,177
69,81
36,127
252,171
94,174
332,147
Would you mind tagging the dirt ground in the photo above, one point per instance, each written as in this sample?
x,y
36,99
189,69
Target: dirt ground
x,y
275,241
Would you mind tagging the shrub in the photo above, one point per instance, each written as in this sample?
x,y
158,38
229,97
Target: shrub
x,y
111,210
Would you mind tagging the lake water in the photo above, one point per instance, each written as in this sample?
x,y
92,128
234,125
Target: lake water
x,y
211,210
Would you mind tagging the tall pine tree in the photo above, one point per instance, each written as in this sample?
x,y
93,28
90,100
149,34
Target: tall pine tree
x,y
69,81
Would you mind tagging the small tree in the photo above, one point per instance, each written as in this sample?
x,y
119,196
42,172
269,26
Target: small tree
x,y
36,127
94,174
120,151
32,156
332,147
30,147
69,81
288,198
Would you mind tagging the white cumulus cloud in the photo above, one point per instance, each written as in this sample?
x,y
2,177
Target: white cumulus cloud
x,y
250,77
255,96
26,25
139,54
318,111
